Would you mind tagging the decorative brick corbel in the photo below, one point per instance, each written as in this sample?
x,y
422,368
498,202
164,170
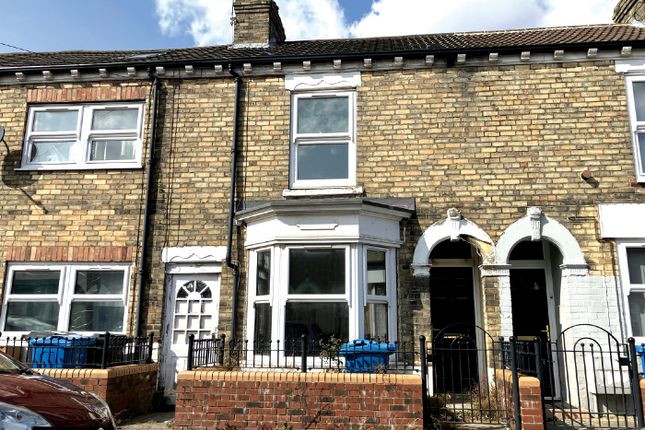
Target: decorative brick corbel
x,y
455,217
535,219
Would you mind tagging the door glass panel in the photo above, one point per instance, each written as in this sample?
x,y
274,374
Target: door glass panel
x,y
316,271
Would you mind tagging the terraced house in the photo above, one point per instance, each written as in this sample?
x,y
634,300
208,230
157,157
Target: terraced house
x,y
455,186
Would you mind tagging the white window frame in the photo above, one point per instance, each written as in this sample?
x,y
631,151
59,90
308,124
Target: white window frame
x,y
299,139
355,294
65,295
628,287
636,126
82,137
389,298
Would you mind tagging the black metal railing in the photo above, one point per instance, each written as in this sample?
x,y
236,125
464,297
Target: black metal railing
x,y
303,355
71,351
467,368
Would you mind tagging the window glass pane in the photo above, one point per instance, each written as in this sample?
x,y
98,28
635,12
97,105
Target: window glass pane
x,y
263,277
637,313
639,100
636,263
51,152
376,320
99,282
641,152
96,316
115,119
324,161
35,282
62,120
449,249
323,115
316,271
527,250
319,321
376,273
31,316
106,150
262,331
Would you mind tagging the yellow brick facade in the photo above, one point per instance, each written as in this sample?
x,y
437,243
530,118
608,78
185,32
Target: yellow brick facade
x,y
490,141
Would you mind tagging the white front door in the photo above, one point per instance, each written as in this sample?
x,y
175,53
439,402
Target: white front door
x,y
191,308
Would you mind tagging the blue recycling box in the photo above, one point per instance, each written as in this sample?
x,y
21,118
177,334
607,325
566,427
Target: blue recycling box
x,y
640,352
56,352
366,356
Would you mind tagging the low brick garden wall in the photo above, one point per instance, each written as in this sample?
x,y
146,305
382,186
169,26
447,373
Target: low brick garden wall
x,y
209,399
530,399
128,390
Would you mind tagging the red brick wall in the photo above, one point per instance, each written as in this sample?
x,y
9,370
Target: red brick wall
x,y
266,400
530,400
70,253
127,389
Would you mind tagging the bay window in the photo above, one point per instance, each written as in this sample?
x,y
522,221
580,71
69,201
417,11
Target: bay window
x,y
65,297
320,292
322,268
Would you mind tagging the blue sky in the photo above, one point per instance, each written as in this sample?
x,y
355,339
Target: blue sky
x,y
47,25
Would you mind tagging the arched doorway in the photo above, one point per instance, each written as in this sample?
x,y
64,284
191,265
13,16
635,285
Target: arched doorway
x,y
455,313
535,290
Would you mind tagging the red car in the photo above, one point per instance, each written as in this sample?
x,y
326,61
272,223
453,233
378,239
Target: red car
x,y
31,401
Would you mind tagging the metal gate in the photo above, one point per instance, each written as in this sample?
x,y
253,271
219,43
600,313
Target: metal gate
x,y
465,363
589,380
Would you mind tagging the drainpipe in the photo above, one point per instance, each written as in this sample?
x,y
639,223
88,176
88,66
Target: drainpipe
x,y
231,209
146,213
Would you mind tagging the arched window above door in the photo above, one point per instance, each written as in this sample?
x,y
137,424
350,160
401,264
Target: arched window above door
x,y
454,227
536,226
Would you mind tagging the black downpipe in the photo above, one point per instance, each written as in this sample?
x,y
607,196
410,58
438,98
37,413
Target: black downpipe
x,y
146,213
231,208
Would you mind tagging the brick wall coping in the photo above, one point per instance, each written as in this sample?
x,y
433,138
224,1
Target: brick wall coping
x,y
261,376
112,372
525,381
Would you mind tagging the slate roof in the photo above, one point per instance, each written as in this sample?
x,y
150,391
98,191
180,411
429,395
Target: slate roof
x,y
491,41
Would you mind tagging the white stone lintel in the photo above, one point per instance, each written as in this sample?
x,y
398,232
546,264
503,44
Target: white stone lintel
x,y
193,254
490,270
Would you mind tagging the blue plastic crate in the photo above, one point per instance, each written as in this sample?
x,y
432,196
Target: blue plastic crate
x,y
640,353
56,352
366,356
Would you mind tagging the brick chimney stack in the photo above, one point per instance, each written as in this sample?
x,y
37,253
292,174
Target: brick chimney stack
x,y
256,24
630,12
